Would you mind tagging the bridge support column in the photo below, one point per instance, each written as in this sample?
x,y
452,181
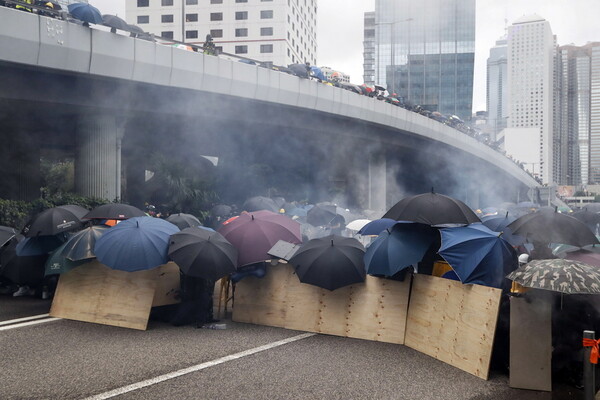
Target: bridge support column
x,y
377,182
98,157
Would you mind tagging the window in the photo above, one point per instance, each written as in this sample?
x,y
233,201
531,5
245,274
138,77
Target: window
x,y
191,17
266,48
216,33
216,16
191,34
167,34
241,32
241,15
166,3
166,18
266,14
216,1
266,31
241,49
219,49
264,1
143,19
143,3
191,2
241,1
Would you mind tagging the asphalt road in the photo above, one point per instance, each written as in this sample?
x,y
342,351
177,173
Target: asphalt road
x,y
74,360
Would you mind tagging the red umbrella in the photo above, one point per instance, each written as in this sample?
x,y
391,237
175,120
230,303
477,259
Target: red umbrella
x,y
253,234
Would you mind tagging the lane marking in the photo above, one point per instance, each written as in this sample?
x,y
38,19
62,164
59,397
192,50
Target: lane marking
x,y
195,368
14,321
35,322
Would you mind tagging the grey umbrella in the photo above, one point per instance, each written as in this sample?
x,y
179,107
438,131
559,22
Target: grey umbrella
x,y
114,23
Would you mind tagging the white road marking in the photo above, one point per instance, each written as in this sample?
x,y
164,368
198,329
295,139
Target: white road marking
x,y
14,321
34,322
195,368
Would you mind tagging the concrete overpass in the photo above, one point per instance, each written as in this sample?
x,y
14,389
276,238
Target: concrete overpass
x,y
111,100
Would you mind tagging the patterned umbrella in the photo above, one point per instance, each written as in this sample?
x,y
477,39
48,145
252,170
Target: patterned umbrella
x,y
558,275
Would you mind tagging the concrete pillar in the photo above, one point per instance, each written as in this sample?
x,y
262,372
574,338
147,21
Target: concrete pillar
x,y
98,156
377,182
20,162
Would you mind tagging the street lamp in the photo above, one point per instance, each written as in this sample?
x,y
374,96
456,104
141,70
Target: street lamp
x,y
392,48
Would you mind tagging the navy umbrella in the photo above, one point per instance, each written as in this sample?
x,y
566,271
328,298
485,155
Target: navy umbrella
x,y
330,262
377,226
85,12
400,247
498,223
477,254
136,244
184,220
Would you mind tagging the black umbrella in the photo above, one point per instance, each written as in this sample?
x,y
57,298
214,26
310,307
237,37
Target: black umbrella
x,y
587,216
80,246
321,215
52,222
549,226
221,210
203,253
184,220
28,270
279,201
330,262
300,70
114,211
6,233
135,30
258,203
75,209
114,22
432,209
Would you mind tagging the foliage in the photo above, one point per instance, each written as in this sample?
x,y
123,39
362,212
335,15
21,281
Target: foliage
x,y
58,176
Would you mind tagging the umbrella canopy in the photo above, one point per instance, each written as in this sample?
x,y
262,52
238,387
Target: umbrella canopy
x,y
432,209
85,12
220,210
300,70
330,262
6,233
317,73
296,211
357,224
477,254
136,244
279,201
253,234
114,22
590,218
258,203
497,223
202,253
399,247
57,263
584,256
558,275
184,220
22,270
80,246
321,214
377,226
552,227
52,222
39,245
114,211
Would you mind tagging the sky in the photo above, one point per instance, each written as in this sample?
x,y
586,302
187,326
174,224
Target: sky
x,y
340,30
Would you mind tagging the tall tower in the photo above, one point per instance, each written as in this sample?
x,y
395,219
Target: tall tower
x,y
530,84
497,86
369,48
425,52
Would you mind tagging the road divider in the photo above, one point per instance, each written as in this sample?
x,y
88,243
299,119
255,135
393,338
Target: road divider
x,y
26,321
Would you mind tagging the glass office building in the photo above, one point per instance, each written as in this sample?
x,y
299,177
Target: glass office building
x,y
425,52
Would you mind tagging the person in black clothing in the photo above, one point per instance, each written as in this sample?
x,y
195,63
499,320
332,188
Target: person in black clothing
x,y
196,302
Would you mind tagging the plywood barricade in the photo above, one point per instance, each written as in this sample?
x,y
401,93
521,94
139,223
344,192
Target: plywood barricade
x,y
95,293
374,310
453,323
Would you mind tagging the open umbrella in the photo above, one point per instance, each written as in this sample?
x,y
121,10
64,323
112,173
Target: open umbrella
x,y
80,246
321,214
584,256
220,210
57,263
114,211
114,22
432,209
40,245
330,262
253,234
6,233
477,254
590,218
184,220
357,224
499,223
258,203
399,247
548,226
85,12
377,226
558,275
53,221
203,254
136,244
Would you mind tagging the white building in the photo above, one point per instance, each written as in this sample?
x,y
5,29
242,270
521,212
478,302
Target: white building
x,y
530,84
328,72
522,144
497,86
279,31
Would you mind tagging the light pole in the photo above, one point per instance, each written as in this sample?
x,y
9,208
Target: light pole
x,y
392,25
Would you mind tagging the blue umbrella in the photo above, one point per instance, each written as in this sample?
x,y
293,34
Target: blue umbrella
x,y
317,73
477,254
399,247
135,244
85,12
497,223
298,211
39,245
377,226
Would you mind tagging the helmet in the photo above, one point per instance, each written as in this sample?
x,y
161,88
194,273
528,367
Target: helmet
x,y
524,258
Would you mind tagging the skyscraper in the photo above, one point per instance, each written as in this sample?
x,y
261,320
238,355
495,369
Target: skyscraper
x,y
278,31
425,52
530,85
497,86
369,48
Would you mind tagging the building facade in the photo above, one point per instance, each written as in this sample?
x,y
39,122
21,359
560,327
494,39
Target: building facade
x,y
425,51
369,48
530,67
497,86
279,31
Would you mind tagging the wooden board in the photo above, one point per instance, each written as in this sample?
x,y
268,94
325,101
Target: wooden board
x,y
167,285
531,341
453,323
95,293
374,310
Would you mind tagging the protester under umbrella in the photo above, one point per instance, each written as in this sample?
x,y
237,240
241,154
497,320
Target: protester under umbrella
x,y
85,12
53,221
21,270
114,211
136,244
184,220
330,262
